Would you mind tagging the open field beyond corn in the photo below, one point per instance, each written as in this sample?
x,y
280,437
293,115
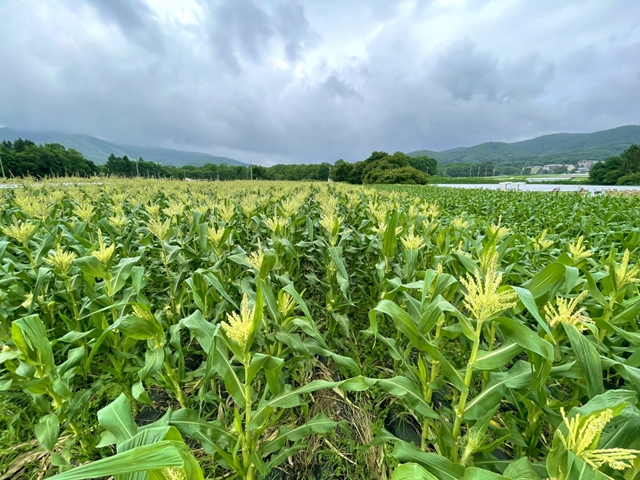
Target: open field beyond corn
x,y
254,330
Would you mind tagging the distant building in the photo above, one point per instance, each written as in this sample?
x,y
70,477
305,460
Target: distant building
x,y
552,166
584,166
536,168
587,164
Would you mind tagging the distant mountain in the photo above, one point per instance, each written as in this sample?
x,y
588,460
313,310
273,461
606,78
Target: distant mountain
x,y
555,148
99,150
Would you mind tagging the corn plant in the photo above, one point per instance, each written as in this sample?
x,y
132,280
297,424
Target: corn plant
x,y
478,334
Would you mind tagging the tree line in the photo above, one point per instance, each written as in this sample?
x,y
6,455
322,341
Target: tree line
x,y
623,169
24,158
380,167
125,167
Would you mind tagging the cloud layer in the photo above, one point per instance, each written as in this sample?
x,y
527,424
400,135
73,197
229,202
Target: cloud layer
x,y
310,80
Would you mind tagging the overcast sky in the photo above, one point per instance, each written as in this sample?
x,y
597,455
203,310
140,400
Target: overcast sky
x,y
317,80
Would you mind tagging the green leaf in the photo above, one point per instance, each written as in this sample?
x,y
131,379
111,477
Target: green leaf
x,y
188,422
203,331
526,297
410,393
474,473
138,328
439,466
154,457
48,430
41,278
30,337
291,398
405,324
545,280
213,280
411,471
318,424
518,377
121,272
389,239
588,358
497,358
260,361
219,359
117,419
525,337
91,266
521,470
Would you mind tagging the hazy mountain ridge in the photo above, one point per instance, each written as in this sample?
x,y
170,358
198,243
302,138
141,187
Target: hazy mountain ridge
x,y
98,150
553,148
546,149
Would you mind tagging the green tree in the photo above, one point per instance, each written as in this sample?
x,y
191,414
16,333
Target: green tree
x,y
402,175
618,168
392,169
607,172
630,159
25,158
341,171
424,164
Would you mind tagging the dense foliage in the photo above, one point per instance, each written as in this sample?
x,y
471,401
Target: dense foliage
x,y
278,330
382,168
618,170
125,167
25,158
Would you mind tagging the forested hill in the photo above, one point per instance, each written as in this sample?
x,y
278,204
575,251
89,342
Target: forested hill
x,y
98,150
548,149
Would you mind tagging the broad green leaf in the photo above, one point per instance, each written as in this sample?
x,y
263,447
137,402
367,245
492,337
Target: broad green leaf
x,y
154,457
318,424
219,359
188,422
138,328
291,398
389,239
526,297
410,393
411,471
30,337
546,280
497,358
48,431
519,376
91,266
474,473
117,419
588,359
525,337
121,272
521,470
439,466
260,361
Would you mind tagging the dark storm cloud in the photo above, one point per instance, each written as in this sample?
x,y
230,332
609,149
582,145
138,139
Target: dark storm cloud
x,y
246,30
464,69
134,18
338,87
287,80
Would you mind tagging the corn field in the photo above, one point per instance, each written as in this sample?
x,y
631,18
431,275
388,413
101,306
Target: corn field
x,y
254,330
